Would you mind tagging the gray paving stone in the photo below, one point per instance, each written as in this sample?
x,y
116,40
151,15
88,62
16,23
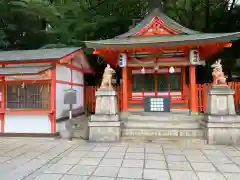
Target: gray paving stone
x,y
232,176
69,160
179,166
111,162
213,153
118,149
183,175
132,163
101,149
90,161
152,164
77,154
210,176
170,146
48,177
233,153
130,173
107,161
155,174
175,158
114,155
95,154
135,150
74,177
4,159
100,178
173,152
58,168
106,171
134,156
203,167
228,168
82,170
192,152
236,160
219,160
136,145
154,150
159,157
196,158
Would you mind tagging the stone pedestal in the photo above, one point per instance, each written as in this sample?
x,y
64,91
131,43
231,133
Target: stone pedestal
x,y
221,124
105,125
220,100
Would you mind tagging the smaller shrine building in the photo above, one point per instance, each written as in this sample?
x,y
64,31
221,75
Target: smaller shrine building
x,y
32,89
158,58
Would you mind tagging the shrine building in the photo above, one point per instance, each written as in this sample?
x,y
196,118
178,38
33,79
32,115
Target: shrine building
x,y
155,56
33,84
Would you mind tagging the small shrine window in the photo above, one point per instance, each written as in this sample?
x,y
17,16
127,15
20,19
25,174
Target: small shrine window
x,y
28,96
162,82
137,80
175,82
149,84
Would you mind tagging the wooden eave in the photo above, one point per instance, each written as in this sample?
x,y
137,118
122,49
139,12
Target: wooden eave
x,y
167,40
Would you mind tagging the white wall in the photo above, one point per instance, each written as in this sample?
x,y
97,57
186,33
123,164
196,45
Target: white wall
x,y
26,123
64,74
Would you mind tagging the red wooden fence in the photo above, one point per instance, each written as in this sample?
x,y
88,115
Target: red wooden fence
x,y
90,98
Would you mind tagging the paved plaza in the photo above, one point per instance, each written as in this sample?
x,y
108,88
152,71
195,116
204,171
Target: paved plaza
x,y
48,159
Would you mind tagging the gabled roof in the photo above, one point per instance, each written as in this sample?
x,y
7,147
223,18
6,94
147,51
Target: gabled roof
x,y
23,70
168,40
38,54
166,20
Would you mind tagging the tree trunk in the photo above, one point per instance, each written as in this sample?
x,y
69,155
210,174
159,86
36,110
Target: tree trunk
x,y
207,15
152,4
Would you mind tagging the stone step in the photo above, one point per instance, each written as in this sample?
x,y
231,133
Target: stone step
x,y
161,124
159,117
150,132
181,141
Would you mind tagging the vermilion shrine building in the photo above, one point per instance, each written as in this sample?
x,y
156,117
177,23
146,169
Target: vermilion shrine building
x,y
33,83
158,51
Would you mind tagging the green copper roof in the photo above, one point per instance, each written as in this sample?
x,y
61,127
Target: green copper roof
x,y
167,20
167,40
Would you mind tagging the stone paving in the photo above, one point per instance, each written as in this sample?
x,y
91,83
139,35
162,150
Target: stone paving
x,y
46,159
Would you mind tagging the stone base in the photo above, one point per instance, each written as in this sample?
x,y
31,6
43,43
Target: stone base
x,y
105,117
104,131
222,130
220,100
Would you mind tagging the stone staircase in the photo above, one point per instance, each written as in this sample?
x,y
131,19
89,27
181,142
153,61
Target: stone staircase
x,y
158,127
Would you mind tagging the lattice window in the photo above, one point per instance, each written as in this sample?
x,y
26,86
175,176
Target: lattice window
x,y
28,96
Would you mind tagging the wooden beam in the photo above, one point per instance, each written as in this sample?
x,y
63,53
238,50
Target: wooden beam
x,y
125,89
193,89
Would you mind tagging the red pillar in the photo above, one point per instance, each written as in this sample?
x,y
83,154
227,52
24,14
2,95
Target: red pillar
x,y
3,104
125,90
193,89
53,100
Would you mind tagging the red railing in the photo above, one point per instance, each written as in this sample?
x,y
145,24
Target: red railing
x,y
90,98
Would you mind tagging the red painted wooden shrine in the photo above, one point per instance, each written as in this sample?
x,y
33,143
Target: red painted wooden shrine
x,y
160,61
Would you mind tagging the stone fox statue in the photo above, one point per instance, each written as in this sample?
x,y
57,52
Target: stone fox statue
x,y
218,75
107,77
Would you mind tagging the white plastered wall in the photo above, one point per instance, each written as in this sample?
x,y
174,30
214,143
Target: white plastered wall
x,y
64,74
27,123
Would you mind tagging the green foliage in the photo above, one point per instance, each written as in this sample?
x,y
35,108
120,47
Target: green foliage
x,y
31,24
